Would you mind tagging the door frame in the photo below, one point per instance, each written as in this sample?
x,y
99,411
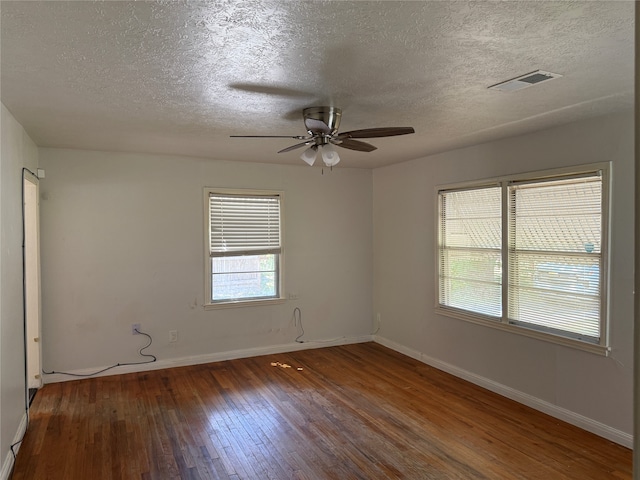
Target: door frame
x,y
31,281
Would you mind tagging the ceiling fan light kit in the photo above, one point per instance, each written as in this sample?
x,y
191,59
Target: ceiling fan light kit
x,y
322,125
329,155
309,155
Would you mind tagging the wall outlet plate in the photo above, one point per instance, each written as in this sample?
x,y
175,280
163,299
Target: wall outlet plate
x,y
134,327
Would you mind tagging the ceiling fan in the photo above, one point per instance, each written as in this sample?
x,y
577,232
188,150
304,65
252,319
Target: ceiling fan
x,y
322,127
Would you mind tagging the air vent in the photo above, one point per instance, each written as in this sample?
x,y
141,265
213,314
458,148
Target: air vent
x,y
524,81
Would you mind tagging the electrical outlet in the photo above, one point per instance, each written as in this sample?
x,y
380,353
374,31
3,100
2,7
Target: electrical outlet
x,y
293,296
173,336
134,327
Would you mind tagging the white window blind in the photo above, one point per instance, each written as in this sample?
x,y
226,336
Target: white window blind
x,y
470,250
245,246
555,256
547,233
241,224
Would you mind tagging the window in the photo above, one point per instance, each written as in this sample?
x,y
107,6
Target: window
x,y
470,252
244,246
527,253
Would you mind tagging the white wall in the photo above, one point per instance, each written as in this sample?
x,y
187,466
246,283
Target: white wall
x,y
17,151
122,242
576,382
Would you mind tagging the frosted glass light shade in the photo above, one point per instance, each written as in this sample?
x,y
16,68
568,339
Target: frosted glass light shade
x,y
309,155
329,155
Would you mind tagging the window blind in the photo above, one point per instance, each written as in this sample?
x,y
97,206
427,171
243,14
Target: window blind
x,y
555,261
470,250
243,225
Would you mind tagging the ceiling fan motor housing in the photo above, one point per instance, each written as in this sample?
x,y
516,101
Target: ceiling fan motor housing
x,y
328,116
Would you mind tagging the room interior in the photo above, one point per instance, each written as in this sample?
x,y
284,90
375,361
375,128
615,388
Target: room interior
x,y
125,111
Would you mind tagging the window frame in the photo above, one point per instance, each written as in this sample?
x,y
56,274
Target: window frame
x,y
209,304
504,323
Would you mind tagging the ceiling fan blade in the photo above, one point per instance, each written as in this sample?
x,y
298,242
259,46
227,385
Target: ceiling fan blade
x,y
297,137
355,145
377,132
297,145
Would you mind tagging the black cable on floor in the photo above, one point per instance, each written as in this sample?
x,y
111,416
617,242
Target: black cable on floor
x,y
153,359
298,321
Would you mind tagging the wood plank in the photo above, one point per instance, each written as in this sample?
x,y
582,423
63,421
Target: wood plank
x,y
350,412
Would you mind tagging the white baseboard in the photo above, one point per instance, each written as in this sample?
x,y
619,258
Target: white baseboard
x,y
208,358
7,465
588,424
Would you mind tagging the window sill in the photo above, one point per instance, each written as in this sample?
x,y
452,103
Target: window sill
x,y
547,337
244,303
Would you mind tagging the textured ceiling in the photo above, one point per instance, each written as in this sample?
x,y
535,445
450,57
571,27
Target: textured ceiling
x,y
180,77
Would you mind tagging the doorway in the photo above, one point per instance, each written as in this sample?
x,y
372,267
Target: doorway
x,y
32,301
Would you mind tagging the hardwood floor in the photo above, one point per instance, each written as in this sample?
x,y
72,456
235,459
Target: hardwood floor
x,y
350,412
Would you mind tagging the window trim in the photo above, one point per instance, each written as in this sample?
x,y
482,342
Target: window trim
x,y
208,304
503,323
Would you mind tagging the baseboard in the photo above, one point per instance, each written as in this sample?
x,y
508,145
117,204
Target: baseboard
x,y
7,465
588,424
209,358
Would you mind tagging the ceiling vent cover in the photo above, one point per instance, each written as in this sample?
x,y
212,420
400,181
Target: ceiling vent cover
x,y
524,81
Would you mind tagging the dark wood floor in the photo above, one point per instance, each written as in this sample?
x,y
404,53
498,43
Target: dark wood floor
x,y
351,412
